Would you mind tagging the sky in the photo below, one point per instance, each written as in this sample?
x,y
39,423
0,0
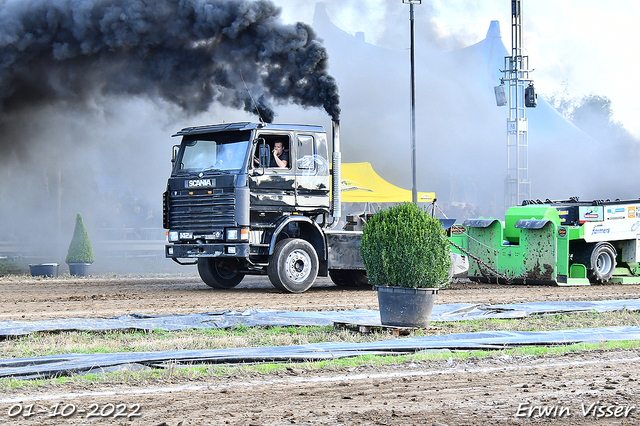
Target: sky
x,y
581,46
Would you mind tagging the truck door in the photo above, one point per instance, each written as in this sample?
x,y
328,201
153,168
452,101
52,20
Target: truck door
x,y
272,187
312,172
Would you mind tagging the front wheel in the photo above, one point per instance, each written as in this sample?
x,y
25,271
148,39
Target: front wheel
x,y
603,262
219,273
293,266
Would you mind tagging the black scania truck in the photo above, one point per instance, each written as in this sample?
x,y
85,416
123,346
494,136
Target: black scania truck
x,y
233,211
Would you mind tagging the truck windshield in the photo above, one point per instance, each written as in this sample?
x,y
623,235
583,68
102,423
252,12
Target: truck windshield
x,y
210,153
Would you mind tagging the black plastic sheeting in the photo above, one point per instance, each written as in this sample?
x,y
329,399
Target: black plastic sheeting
x,y
71,364
264,317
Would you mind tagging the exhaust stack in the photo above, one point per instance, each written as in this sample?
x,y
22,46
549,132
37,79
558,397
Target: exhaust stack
x,y
337,174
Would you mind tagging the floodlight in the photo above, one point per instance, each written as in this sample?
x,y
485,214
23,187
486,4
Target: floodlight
x,y
530,97
501,95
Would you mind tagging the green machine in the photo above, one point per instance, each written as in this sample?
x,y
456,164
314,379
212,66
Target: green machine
x,y
567,242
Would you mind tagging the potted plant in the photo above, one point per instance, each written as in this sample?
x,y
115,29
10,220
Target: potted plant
x,y
44,269
407,258
80,253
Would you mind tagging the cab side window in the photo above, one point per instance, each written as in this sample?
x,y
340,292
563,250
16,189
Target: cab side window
x,y
306,153
273,152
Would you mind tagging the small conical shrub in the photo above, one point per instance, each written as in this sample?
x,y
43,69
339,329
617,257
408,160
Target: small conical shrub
x,y
80,250
403,246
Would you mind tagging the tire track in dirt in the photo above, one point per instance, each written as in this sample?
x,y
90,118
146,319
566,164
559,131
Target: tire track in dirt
x,y
38,299
474,391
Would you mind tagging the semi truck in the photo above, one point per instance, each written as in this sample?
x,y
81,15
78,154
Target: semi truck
x,y
233,210
566,242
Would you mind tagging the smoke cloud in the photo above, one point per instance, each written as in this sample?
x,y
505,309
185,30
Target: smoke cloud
x,y
190,53
91,91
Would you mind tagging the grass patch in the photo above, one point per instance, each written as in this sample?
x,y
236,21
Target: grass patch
x,y
590,319
424,359
13,267
45,343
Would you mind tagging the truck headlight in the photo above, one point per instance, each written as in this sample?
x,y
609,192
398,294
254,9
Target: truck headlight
x,y
232,234
173,236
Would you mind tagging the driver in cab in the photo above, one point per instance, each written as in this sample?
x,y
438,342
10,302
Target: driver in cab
x,y
279,158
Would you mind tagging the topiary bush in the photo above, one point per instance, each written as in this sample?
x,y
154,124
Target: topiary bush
x,y
80,250
405,247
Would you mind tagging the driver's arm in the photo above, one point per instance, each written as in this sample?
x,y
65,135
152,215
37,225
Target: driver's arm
x,y
281,163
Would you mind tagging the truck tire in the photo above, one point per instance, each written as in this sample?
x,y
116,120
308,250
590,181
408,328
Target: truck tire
x,y
603,262
349,278
340,277
360,278
219,273
293,266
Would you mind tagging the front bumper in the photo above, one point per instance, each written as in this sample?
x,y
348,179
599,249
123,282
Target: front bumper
x,y
185,251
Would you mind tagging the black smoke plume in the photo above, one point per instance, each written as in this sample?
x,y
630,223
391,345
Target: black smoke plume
x,y
188,52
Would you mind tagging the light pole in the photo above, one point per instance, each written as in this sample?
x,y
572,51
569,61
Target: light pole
x,y
516,72
414,189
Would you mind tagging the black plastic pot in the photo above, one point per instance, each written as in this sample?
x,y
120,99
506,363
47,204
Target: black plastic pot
x,y
79,269
44,269
406,307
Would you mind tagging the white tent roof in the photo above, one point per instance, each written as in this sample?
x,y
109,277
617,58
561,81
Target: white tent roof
x,y
461,133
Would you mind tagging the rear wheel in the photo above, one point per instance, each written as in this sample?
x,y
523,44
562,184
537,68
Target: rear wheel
x,y
603,262
349,278
293,267
219,273
340,277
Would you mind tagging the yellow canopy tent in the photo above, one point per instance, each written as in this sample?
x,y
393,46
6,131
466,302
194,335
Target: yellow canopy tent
x,y
361,184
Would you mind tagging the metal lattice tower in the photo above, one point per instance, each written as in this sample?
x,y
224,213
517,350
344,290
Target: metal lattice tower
x,y
516,72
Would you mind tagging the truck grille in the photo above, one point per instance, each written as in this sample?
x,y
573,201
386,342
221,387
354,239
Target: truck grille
x,y
200,212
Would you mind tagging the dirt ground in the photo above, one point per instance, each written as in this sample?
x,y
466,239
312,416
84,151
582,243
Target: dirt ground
x,y
45,298
581,388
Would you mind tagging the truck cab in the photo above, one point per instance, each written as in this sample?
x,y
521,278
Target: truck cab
x,y
233,210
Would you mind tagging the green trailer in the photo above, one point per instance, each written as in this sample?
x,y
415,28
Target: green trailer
x,y
563,242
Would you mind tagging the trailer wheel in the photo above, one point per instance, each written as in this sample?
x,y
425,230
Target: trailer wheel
x,y
603,262
219,273
349,278
293,267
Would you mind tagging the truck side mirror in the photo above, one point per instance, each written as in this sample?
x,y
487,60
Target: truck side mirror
x,y
264,154
174,154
